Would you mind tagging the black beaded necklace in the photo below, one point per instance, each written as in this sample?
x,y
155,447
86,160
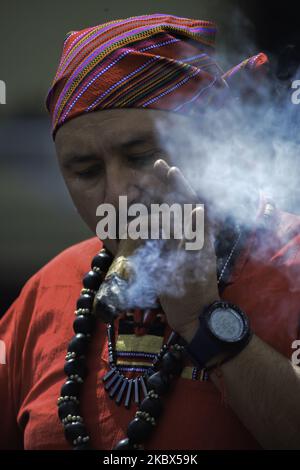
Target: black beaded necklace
x,y
167,365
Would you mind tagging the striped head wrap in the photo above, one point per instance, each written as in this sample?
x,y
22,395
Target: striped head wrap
x,y
154,61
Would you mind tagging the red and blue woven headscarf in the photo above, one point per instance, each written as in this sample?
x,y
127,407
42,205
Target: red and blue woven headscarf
x,y
153,61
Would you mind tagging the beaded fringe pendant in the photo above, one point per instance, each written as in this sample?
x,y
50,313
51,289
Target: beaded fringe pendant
x,y
120,387
135,390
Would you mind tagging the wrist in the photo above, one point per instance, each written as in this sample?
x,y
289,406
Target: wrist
x,y
190,330
223,332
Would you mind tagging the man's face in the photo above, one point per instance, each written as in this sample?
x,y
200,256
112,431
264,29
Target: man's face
x,y
107,154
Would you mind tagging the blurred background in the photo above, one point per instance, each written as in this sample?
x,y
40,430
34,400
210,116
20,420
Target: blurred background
x,y
37,217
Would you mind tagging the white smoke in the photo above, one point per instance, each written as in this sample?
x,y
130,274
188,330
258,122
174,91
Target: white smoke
x,y
231,156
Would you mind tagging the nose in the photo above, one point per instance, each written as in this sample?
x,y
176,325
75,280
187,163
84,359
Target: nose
x,y
121,181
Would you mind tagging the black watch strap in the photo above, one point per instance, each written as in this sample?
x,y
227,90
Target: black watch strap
x,y
205,346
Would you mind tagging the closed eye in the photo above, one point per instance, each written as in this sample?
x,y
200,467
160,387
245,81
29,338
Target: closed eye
x,y
90,172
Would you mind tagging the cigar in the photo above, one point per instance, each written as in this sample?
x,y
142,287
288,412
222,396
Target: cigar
x,y
111,299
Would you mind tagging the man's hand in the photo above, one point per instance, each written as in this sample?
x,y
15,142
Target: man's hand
x,y
195,269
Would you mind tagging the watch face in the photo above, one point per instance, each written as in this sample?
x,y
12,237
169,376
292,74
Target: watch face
x,y
227,324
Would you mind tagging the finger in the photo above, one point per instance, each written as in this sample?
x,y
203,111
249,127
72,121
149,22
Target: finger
x,y
160,169
197,232
178,182
175,179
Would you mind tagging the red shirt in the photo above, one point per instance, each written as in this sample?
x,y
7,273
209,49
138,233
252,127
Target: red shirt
x,y
38,327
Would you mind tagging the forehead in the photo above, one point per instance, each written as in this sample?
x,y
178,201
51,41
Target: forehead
x,y
105,129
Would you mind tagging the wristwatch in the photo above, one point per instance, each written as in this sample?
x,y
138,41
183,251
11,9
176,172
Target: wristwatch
x,y
223,332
